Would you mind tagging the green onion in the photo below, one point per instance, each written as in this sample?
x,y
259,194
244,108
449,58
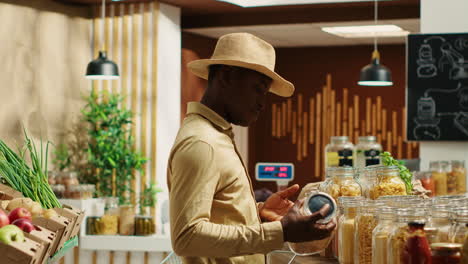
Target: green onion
x,y
30,181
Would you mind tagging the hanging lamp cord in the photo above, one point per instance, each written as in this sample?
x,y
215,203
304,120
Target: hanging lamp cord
x,y
376,54
103,14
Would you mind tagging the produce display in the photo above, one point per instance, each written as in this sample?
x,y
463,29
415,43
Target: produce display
x,y
11,233
32,182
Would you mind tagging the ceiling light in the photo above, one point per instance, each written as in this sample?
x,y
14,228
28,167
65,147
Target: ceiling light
x,y
367,31
256,3
375,74
102,68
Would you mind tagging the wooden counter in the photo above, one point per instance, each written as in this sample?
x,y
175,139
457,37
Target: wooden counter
x,y
283,257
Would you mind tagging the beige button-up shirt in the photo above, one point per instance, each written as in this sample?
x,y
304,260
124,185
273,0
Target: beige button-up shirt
x,y
213,213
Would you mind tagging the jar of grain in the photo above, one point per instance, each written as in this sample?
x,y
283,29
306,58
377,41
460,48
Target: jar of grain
x,y
439,170
381,234
364,224
349,207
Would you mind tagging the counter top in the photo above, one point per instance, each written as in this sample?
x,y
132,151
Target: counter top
x,y
278,257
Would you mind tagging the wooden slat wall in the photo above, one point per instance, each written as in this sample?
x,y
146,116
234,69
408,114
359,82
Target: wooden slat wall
x,y
130,39
326,115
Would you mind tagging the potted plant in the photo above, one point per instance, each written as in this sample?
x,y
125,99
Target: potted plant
x,y
111,146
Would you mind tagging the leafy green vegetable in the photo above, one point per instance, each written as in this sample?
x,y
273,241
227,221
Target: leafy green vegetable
x,y
31,182
405,174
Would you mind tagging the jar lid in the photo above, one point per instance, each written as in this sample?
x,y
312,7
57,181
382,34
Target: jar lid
x,y
339,138
316,201
341,171
388,168
75,188
446,246
57,187
368,138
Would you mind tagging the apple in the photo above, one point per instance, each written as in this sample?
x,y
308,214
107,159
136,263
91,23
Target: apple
x,y
19,213
24,224
4,219
11,233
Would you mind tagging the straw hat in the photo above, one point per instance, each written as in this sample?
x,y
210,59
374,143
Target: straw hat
x,y
247,51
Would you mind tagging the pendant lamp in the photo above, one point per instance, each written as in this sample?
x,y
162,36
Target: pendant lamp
x,y
375,74
102,68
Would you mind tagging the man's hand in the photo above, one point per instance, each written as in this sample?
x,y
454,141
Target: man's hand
x,y
300,228
278,204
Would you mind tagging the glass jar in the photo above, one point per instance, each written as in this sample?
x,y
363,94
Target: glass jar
x,y
88,191
446,253
108,225
127,220
341,182
388,183
426,180
69,178
59,190
145,225
112,206
349,207
465,249
398,235
439,224
416,249
367,178
459,175
339,152
367,152
93,225
439,171
313,202
364,224
381,233
459,228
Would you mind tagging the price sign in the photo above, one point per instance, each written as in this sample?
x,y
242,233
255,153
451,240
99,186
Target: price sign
x,y
274,172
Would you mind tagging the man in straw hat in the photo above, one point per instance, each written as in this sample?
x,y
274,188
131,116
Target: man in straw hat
x,y
213,214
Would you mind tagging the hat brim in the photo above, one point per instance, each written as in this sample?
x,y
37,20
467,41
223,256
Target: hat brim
x,y
279,86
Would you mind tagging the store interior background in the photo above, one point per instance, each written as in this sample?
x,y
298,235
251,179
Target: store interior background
x,y
50,42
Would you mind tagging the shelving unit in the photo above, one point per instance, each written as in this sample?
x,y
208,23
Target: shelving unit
x,y
156,243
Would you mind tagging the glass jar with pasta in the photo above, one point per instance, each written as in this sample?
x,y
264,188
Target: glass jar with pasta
x,y
398,235
439,170
438,226
349,207
364,224
388,183
459,228
381,233
458,174
367,179
341,182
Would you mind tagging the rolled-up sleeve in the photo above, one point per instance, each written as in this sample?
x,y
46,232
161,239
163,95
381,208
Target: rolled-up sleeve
x,y
193,179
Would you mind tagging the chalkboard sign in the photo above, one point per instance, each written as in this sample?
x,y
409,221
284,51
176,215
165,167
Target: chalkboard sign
x,y
437,90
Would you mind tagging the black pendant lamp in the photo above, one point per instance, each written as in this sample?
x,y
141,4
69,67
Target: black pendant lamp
x,y
375,74
102,68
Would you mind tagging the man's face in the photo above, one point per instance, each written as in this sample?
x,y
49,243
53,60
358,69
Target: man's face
x,y
245,95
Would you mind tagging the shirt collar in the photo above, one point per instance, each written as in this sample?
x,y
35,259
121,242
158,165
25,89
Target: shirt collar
x,y
206,112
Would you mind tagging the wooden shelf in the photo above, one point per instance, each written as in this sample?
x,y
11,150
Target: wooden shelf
x,y
156,243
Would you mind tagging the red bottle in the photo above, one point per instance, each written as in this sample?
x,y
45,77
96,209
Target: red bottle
x,y
417,250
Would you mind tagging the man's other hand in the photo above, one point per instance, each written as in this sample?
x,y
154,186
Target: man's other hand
x,y
278,204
